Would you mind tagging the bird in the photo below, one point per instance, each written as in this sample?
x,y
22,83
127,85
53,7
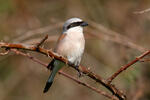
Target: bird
x,y
70,45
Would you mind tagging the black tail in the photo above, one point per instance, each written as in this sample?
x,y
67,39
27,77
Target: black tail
x,y
52,75
51,65
49,81
48,85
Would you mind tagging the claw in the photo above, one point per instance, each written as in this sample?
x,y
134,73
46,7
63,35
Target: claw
x,y
79,72
77,68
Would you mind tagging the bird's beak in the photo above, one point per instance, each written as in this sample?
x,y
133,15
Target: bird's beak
x,y
84,24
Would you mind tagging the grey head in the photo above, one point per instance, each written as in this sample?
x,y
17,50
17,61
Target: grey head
x,y
73,22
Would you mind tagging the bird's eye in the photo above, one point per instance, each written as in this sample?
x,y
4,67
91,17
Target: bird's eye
x,y
71,25
74,24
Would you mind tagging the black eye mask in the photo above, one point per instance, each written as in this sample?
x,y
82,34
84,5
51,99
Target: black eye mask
x,y
74,24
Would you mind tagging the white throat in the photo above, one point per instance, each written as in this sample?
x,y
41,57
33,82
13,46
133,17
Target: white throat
x,y
77,29
75,33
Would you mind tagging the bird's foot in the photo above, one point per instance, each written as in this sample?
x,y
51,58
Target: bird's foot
x,y
79,72
77,68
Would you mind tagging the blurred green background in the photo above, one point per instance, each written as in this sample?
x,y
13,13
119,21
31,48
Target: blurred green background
x,y
115,36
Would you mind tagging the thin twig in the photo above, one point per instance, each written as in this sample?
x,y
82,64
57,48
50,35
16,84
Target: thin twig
x,y
38,31
4,53
29,56
83,69
42,41
142,12
51,38
139,90
109,80
66,75
87,85
145,60
105,33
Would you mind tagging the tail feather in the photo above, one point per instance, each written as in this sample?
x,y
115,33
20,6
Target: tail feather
x,y
50,80
56,66
48,85
51,65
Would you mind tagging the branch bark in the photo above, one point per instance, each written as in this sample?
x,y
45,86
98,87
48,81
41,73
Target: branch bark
x,y
109,80
120,95
66,75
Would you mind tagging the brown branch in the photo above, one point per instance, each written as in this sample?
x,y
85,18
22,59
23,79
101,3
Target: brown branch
x,y
87,85
139,88
145,60
66,75
142,12
83,69
42,41
107,34
29,56
38,31
4,53
109,80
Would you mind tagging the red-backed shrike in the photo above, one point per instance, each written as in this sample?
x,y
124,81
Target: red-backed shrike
x,y
70,45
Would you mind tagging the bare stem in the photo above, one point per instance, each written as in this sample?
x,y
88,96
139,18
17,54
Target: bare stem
x,y
142,12
83,69
109,80
42,41
66,75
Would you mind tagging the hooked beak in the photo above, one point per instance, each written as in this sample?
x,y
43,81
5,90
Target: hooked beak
x,y
84,24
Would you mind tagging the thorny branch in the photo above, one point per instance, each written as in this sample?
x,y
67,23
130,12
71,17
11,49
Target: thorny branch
x,y
83,69
109,80
66,75
87,85
42,41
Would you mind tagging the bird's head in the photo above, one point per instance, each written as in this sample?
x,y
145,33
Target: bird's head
x,y
74,24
